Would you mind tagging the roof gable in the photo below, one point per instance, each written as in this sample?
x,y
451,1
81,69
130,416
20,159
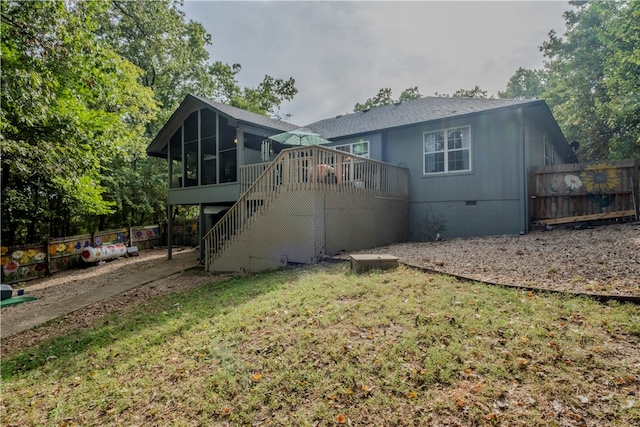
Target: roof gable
x,y
409,113
247,116
192,103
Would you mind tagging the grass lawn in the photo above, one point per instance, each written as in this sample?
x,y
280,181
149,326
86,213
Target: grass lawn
x,y
320,346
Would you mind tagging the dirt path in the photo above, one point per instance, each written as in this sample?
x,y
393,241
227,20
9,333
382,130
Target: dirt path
x,y
66,292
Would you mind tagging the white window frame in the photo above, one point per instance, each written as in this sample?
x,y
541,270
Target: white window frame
x,y
350,151
348,163
446,150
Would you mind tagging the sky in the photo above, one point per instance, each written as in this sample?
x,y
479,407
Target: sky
x,y
343,52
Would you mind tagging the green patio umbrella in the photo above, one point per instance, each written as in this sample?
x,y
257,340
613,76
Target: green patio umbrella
x,y
300,136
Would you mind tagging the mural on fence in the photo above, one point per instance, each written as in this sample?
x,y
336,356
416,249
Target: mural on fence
x,y
64,253
146,234
37,260
596,181
111,237
186,233
146,237
585,191
23,263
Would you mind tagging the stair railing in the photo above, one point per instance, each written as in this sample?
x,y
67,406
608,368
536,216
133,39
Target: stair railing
x,y
303,168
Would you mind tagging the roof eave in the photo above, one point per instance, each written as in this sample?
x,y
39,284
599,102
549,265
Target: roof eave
x,y
440,119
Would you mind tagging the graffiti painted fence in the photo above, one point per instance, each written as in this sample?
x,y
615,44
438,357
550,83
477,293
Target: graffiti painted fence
x,y
26,262
584,192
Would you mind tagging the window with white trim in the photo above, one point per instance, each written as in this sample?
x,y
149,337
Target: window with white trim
x,y
447,150
352,168
360,148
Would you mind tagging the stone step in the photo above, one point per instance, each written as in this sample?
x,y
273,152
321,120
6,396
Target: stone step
x,y
364,262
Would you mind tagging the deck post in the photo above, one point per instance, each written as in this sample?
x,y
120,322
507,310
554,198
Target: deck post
x,y
169,232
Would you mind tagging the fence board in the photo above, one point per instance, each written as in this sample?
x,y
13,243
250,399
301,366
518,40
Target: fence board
x,y
25,262
145,237
584,192
65,252
31,261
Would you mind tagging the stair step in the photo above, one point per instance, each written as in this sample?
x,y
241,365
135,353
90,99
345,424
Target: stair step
x,y
364,262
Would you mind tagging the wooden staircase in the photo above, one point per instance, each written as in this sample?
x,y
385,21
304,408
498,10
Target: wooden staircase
x,y
308,203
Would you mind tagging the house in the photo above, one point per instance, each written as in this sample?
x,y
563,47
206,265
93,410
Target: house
x,y
463,162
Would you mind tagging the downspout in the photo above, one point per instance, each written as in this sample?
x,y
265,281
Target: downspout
x,y
524,155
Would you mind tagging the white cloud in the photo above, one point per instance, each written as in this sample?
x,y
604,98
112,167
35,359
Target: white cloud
x,y
341,53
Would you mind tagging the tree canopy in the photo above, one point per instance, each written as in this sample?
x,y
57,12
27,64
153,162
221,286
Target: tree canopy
x,y
591,79
385,97
593,84
85,86
525,84
69,103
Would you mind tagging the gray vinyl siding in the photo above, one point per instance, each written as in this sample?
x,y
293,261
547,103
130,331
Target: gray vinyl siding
x,y
483,201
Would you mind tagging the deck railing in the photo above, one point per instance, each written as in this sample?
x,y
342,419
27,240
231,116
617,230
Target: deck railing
x,y
250,174
302,168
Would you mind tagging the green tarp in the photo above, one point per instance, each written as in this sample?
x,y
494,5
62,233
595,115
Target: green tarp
x,y
16,300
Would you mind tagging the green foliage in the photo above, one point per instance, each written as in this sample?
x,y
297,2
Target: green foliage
x,y
68,104
594,78
525,84
385,97
264,99
409,94
476,92
171,52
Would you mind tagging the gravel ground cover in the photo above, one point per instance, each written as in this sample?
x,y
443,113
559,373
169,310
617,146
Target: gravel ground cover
x,y
600,259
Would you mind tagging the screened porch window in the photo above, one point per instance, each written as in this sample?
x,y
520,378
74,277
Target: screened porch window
x,y
191,150
175,151
209,147
447,150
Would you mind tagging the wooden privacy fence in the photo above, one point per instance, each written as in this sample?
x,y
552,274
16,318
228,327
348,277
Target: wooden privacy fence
x,y
584,192
26,262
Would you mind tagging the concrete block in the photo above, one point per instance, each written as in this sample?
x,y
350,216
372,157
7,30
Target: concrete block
x,y
364,262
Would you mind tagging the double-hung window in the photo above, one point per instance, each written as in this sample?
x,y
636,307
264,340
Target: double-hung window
x,y
447,150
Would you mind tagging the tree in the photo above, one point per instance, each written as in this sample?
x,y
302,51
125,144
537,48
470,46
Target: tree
x,y
409,94
385,97
525,84
594,78
69,102
265,99
173,55
476,92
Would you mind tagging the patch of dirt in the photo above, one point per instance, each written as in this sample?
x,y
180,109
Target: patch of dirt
x,y
60,286
601,259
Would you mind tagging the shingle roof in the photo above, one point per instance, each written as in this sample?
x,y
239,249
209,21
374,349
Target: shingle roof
x,y
247,116
407,113
159,144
